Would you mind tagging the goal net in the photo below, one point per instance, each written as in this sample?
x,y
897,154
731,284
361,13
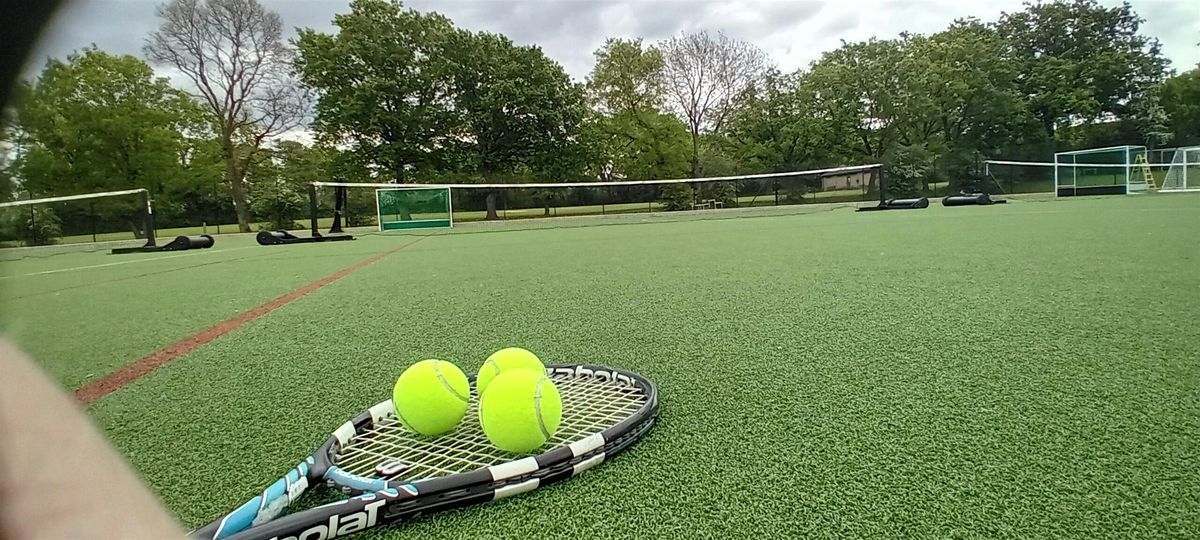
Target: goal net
x,y
1115,170
77,222
1184,171
1077,179
413,208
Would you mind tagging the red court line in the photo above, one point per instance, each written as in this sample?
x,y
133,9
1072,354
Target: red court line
x,y
131,372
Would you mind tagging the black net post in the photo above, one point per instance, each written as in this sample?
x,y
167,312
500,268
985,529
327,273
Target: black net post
x,y
150,241
32,222
341,199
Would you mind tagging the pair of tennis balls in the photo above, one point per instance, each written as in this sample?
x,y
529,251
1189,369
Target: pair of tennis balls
x,y
519,407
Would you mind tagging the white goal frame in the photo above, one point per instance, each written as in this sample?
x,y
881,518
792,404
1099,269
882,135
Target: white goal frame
x,y
1179,170
418,223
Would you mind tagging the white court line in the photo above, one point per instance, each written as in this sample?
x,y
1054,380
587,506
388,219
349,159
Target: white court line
x,y
74,268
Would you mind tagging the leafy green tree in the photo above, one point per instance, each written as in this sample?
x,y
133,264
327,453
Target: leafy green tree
x,y
1079,61
777,127
964,104
631,136
909,168
860,90
386,83
642,144
32,225
627,77
678,197
201,196
516,105
99,122
1180,98
301,165
280,181
279,203
865,93
1150,118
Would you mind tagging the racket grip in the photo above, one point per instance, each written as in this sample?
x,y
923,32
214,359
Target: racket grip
x,y
262,508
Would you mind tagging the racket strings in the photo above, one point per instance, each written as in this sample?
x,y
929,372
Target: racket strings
x,y
590,405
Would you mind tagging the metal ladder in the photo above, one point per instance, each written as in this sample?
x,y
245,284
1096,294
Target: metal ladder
x,y
1141,162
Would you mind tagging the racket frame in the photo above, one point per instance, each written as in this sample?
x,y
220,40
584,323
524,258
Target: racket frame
x,y
377,501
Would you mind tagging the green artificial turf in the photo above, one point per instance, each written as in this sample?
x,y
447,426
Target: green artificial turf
x,y
1019,371
96,312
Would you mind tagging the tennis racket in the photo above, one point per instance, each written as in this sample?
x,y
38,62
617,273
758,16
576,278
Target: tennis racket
x,y
393,475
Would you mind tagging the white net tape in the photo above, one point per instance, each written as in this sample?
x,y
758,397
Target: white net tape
x,y
541,185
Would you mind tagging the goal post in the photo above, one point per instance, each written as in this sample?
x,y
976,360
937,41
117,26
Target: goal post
x,y
1184,171
1112,170
413,208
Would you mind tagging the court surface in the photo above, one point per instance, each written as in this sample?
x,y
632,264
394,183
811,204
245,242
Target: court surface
x,y
1016,371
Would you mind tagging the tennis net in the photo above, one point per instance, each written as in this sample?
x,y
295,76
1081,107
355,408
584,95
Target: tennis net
x,y
82,222
375,204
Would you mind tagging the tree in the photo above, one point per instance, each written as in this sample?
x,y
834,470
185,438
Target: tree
x,y
385,82
632,136
32,225
641,145
678,197
8,183
704,76
279,203
99,122
1180,97
860,90
515,105
1079,61
201,196
626,77
1149,117
864,92
776,127
233,53
962,104
301,165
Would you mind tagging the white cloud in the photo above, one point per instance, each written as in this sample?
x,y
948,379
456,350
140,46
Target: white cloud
x,y
794,33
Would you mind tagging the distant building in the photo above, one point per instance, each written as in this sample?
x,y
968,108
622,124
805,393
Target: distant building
x,y
856,180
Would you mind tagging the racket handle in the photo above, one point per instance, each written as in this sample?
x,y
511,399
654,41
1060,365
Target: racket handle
x,y
263,507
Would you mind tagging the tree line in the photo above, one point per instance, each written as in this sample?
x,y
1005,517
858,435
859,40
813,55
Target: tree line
x,y
398,95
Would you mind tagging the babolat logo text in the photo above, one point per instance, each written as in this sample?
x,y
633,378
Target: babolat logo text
x,y
340,525
602,374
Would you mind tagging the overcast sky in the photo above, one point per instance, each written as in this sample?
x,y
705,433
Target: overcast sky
x,y
793,33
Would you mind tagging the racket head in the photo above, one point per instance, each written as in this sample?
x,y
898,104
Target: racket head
x,y
374,451
393,474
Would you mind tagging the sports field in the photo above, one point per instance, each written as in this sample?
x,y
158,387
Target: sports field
x,y
1019,371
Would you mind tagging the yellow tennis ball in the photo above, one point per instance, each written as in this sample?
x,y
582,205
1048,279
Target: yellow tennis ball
x,y
521,410
504,360
431,397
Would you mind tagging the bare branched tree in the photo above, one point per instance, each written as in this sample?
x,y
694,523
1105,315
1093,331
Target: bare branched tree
x,y
704,76
234,54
